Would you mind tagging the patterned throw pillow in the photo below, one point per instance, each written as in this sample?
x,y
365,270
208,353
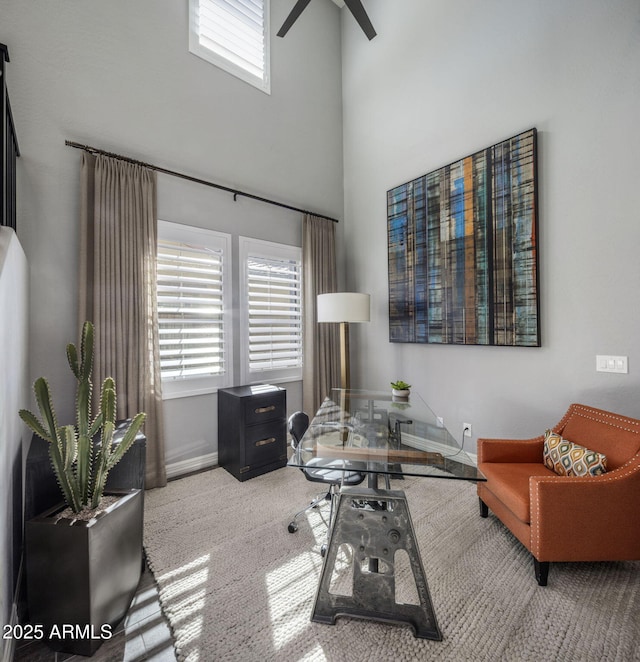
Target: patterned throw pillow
x,y
568,459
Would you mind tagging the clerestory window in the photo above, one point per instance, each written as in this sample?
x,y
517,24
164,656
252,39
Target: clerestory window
x,y
233,35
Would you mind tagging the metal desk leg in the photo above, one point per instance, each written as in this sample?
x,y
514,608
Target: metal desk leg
x,y
374,534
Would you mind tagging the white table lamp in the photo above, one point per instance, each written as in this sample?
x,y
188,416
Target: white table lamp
x,y
342,308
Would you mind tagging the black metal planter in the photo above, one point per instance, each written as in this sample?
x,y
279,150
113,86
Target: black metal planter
x,y
81,578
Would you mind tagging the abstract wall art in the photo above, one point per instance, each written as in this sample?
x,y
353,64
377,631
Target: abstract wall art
x,y
463,250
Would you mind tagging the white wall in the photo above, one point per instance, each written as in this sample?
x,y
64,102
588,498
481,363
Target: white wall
x,y
445,79
118,75
13,396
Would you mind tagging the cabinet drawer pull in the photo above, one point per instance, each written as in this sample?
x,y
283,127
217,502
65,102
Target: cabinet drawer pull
x,y
264,442
264,410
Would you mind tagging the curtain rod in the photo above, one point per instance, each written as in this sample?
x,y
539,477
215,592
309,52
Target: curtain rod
x,y
173,173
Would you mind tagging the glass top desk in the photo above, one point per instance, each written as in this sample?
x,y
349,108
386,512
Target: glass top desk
x,y
380,436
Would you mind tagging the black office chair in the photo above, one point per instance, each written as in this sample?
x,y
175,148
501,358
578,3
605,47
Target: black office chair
x,y
334,478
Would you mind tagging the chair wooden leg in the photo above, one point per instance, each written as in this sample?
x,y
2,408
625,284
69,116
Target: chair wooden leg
x,y
541,569
484,509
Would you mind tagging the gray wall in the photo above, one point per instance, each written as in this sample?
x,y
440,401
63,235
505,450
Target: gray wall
x,y
440,81
118,75
444,79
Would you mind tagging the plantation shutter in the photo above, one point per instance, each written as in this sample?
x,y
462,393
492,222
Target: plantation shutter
x,y
190,310
234,32
274,305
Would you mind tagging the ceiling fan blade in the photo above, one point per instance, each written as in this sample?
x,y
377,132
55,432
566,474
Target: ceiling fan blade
x,y
356,8
298,8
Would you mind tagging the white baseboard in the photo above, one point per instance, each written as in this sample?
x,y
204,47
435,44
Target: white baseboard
x,y
199,463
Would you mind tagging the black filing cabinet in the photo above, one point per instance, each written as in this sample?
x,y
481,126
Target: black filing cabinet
x,y
252,429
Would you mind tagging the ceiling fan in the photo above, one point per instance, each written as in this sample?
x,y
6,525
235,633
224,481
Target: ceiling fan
x,y
355,7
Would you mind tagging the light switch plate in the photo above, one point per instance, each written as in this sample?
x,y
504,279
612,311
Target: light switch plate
x,y
607,363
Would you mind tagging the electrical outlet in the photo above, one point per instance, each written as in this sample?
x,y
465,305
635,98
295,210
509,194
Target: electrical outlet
x,y
466,429
440,421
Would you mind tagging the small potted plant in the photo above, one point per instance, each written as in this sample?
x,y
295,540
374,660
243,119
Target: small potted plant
x,y
83,561
400,389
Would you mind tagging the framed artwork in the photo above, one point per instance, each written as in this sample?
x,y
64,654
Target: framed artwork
x,y
463,250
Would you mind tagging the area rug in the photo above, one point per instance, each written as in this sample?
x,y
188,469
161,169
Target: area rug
x,y
236,585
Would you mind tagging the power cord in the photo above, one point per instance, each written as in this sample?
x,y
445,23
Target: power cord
x,y
465,427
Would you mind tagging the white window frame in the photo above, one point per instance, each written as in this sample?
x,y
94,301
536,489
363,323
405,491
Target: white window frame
x,y
274,251
230,61
181,387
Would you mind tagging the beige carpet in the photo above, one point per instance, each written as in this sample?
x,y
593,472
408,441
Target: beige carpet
x,y
235,585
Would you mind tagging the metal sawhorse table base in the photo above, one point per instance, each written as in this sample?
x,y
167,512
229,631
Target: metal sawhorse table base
x,y
375,524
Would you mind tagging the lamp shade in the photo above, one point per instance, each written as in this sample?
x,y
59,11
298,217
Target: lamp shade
x,y
344,307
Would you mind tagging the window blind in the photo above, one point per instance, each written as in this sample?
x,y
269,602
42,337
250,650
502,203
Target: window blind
x,y
274,304
190,310
234,30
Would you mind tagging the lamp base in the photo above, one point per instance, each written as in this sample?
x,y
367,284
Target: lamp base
x,y
345,372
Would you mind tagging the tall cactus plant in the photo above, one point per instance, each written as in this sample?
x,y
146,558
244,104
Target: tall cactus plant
x,y
81,468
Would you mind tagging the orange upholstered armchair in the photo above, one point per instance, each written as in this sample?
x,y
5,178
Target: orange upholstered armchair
x,y
568,518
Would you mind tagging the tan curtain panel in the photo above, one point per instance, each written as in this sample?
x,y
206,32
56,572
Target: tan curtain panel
x,y
321,341
118,250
